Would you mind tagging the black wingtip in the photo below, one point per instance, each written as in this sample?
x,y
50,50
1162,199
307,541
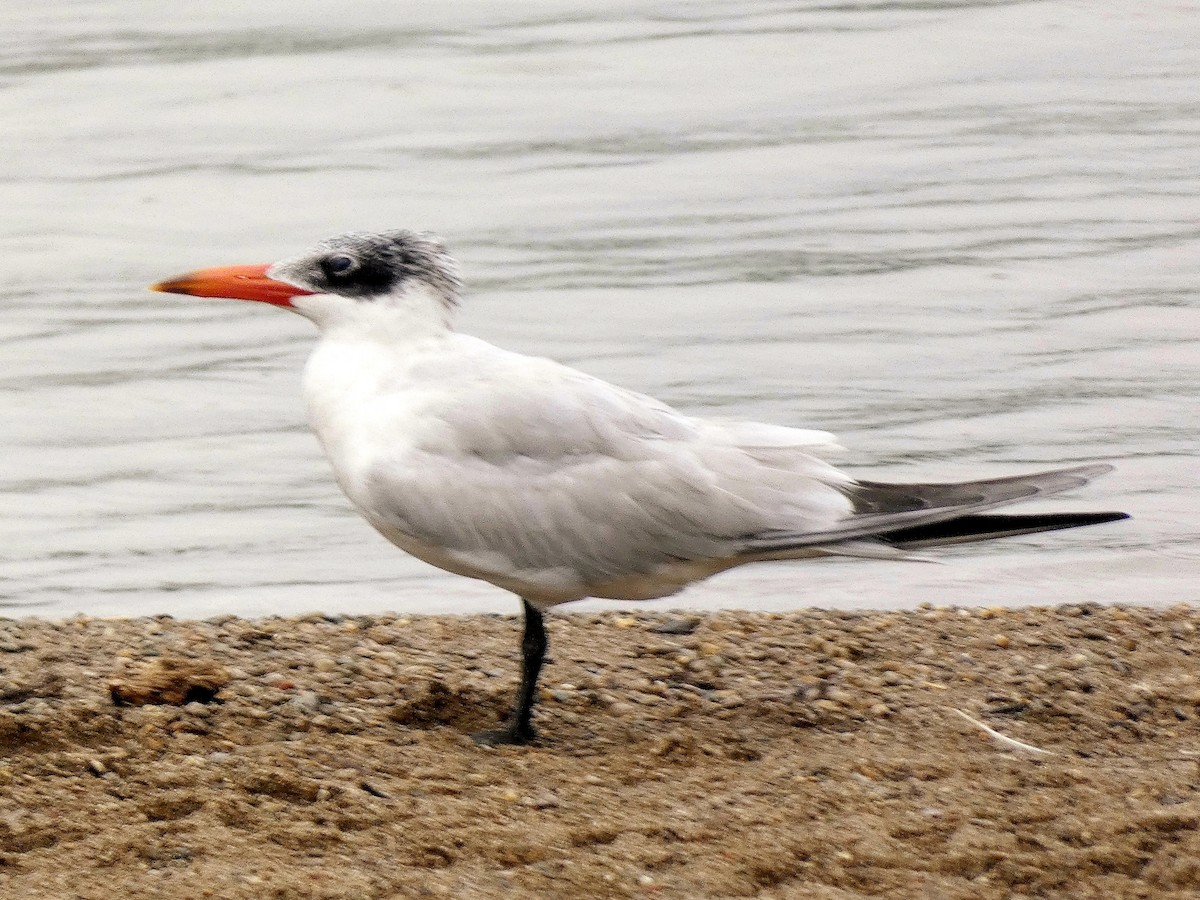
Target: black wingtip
x,y
969,529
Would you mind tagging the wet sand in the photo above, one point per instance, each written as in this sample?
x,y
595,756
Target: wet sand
x,y
809,755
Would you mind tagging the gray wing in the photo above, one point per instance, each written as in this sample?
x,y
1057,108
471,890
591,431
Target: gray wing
x,y
550,474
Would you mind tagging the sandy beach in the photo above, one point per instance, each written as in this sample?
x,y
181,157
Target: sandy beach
x,y
810,755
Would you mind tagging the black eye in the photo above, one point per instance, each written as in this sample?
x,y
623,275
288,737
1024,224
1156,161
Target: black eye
x,y
340,264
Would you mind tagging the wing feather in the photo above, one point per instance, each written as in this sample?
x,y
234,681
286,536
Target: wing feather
x,y
557,471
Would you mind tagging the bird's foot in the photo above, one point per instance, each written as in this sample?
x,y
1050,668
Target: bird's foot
x,y
511,733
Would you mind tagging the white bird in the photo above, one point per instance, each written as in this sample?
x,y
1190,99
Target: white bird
x,y
556,485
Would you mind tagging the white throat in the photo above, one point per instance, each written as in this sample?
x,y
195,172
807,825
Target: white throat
x,y
413,313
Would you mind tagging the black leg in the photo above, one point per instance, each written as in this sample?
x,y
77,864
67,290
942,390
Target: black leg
x,y
519,729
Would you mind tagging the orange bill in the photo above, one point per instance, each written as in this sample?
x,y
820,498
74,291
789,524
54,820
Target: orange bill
x,y
235,283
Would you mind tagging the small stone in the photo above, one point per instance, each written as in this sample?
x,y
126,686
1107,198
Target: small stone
x,y
625,622
541,800
325,664
306,701
1001,640
682,625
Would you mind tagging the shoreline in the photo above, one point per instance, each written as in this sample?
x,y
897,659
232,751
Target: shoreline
x,y
804,754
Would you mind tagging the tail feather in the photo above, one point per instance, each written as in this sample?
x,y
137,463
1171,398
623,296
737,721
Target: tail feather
x,y
924,515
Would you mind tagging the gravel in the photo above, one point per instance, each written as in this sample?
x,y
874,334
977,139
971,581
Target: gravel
x,y
809,754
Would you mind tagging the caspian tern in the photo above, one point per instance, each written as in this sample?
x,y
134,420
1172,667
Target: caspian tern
x,y
556,485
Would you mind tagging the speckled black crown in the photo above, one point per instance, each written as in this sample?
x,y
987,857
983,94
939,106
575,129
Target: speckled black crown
x,y
367,265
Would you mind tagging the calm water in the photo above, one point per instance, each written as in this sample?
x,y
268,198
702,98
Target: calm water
x,y
962,235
